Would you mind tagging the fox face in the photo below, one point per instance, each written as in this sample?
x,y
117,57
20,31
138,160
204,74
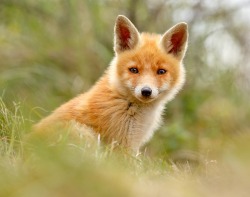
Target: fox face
x,y
149,66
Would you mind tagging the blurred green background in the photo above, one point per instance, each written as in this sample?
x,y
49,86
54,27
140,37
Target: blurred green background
x,y
50,51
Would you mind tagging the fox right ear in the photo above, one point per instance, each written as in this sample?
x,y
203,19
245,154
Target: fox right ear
x,y
174,41
126,34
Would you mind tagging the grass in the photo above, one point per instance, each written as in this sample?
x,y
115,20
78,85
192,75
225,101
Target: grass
x,y
11,125
68,169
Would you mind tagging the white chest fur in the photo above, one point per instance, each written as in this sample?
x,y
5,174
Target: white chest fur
x,y
139,124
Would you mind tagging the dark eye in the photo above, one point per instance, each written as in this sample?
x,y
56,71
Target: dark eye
x,y
161,71
134,70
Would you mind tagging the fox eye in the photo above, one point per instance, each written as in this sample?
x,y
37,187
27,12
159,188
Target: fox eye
x,y
134,70
161,71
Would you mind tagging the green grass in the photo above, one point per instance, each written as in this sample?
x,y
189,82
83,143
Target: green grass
x,y
29,168
11,128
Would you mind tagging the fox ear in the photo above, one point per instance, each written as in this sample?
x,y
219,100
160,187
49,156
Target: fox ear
x,y
174,41
126,35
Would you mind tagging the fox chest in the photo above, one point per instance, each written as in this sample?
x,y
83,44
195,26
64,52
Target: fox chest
x,y
127,124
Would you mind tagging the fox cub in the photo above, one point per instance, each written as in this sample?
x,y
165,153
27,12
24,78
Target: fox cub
x,y
126,104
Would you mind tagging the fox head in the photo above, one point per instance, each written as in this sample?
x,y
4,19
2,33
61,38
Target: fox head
x,y
147,66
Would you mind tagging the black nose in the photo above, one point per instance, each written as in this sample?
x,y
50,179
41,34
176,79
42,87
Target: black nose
x,y
146,91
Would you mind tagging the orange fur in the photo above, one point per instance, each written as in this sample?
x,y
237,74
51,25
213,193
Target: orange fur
x,y
114,106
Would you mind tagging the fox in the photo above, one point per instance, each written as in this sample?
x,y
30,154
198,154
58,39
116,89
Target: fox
x,y
126,104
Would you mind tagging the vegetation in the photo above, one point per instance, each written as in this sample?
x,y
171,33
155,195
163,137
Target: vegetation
x,y
51,51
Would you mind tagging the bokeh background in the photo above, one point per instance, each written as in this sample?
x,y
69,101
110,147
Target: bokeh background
x,y
51,51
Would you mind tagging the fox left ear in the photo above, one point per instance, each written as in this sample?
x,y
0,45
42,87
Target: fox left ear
x,y
174,41
126,34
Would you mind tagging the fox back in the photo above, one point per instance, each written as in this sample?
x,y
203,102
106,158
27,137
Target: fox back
x,y
126,104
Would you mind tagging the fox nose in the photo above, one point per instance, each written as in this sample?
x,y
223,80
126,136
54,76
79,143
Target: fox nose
x,y
146,91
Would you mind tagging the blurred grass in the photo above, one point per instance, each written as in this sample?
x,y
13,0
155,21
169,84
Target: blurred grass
x,y
29,168
50,51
